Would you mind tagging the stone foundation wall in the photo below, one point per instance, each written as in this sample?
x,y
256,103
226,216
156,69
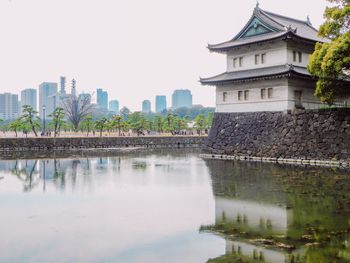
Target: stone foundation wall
x,y
42,143
317,134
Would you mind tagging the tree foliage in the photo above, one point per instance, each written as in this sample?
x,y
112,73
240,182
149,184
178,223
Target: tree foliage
x,y
330,62
30,118
101,125
57,120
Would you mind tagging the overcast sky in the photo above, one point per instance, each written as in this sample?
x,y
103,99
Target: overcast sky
x,y
135,49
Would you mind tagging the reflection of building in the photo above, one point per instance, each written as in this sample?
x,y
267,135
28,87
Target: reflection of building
x,y
181,98
160,103
269,201
250,250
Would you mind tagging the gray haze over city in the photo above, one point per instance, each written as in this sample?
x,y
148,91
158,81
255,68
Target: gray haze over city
x,y
133,49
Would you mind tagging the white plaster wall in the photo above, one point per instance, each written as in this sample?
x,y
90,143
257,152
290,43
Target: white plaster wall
x,y
276,54
305,58
278,102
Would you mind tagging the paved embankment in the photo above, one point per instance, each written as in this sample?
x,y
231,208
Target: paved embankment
x,y
62,143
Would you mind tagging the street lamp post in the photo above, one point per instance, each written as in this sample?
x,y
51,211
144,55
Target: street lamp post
x,y
44,109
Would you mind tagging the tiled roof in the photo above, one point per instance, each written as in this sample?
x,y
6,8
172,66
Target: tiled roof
x,y
279,26
258,73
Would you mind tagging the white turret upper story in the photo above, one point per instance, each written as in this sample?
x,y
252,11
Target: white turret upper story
x,y
267,65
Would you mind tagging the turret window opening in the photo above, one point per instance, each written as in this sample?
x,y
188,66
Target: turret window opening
x,y
270,93
300,57
224,96
263,94
294,56
240,61
246,94
234,62
263,58
240,95
257,58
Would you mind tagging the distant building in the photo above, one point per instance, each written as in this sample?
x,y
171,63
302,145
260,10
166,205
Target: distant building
x,y
47,97
160,103
74,88
102,99
63,85
114,106
146,106
181,98
85,96
9,106
29,97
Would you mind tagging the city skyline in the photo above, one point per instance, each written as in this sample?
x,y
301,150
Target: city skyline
x,y
50,95
172,45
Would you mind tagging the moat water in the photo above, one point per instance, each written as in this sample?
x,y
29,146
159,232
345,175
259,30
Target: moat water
x,y
170,206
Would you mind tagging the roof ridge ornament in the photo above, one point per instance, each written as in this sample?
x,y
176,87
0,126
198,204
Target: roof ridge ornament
x,y
308,21
257,4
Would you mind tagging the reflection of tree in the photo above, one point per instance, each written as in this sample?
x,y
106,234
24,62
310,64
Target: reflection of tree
x,y
27,176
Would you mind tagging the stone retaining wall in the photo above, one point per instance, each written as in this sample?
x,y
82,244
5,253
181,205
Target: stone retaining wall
x,y
317,134
42,143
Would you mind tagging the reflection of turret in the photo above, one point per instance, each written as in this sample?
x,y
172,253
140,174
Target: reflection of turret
x,y
256,252
250,195
286,205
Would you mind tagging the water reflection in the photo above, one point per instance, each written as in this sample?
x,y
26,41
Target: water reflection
x,y
140,207
277,213
149,206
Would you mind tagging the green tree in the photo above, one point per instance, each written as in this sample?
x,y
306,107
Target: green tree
x,y
330,62
16,125
117,123
87,124
209,119
57,120
158,123
170,122
101,125
200,122
30,118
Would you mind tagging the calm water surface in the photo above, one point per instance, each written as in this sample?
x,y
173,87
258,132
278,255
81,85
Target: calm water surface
x,y
169,206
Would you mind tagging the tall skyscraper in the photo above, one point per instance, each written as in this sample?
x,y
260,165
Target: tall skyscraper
x,y
63,85
102,99
29,97
9,106
146,106
160,103
47,97
181,98
74,88
114,106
